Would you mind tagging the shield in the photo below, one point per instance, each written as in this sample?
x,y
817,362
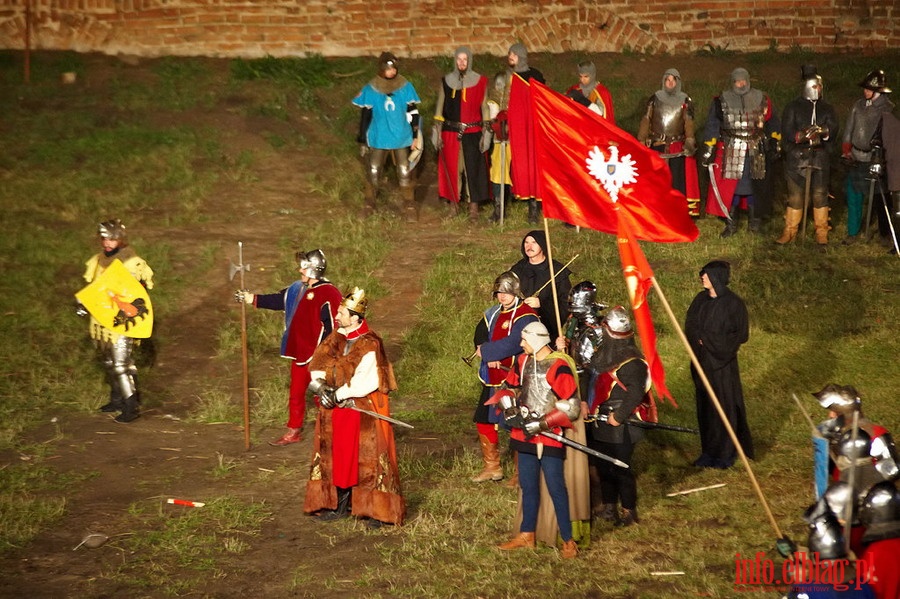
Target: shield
x,y
119,302
820,464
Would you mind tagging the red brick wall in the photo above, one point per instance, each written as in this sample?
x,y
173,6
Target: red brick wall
x,y
432,27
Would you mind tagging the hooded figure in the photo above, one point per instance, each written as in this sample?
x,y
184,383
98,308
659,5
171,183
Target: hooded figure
x,y
533,271
716,326
591,93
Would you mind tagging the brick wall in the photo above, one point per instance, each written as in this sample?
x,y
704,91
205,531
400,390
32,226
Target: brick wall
x,y
253,28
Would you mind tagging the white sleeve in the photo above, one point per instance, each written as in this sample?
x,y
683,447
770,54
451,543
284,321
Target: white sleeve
x,y
363,381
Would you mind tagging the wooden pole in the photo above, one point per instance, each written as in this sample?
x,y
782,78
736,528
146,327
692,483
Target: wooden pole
x,y
244,356
718,406
552,283
27,41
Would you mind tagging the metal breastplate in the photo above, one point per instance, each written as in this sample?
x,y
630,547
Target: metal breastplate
x,y
743,131
865,121
536,393
584,345
666,123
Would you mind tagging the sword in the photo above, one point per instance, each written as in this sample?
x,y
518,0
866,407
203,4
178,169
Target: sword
x,y
584,448
352,406
715,188
647,425
869,208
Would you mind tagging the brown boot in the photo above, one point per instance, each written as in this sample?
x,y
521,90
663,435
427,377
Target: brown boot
x,y
820,216
792,217
491,455
569,550
524,540
629,517
452,209
473,212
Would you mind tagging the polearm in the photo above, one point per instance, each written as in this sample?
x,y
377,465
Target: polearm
x,y
657,426
781,541
244,359
584,448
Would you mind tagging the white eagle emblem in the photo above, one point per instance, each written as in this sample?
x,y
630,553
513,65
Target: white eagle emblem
x,y
613,174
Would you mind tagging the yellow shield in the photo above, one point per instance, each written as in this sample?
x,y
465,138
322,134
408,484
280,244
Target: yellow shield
x,y
119,302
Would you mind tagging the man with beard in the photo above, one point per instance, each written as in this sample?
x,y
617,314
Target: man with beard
x,y
716,326
742,139
622,386
462,136
389,124
809,124
115,348
591,93
523,184
497,340
533,271
354,464
668,128
865,117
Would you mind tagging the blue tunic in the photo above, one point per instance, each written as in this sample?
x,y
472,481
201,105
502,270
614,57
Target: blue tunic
x,y
390,128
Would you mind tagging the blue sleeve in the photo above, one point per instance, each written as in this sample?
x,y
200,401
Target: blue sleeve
x,y
365,98
510,345
271,301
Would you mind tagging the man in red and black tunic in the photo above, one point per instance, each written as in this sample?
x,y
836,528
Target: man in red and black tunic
x,y
310,306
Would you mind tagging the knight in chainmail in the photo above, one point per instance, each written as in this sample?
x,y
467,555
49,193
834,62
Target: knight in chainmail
x,y
865,116
668,128
389,124
809,126
742,138
462,136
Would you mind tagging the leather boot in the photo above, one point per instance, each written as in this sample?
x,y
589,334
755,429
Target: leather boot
x,y
343,507
569,550
792,217
609,512
491,455
753,221
534,212
130,409
524,540
369,201
495,215
452,209
730,225
820,217
629,517
473,212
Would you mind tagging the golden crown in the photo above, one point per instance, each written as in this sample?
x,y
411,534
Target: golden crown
x,y
356,301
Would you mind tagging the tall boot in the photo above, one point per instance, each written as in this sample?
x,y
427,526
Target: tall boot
x,y
369,201
495,216
115,403
753,221
491,456
730,225
473,212
343,507
792,217
534,211
130,409
820,217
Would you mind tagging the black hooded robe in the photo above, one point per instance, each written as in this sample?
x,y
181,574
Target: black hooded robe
x,y
716,327
533,276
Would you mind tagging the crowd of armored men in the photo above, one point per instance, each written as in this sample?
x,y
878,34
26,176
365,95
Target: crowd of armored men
x,y
543,383
742,137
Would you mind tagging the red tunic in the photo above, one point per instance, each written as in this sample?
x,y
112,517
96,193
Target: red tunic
x,y
307,329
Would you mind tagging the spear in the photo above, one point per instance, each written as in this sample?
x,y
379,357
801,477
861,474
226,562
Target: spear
x,y
241,267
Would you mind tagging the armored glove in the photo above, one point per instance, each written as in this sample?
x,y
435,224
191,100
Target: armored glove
x,y
708,155
534,425
485,140
436,136
80,310
243,295
875,169
327,398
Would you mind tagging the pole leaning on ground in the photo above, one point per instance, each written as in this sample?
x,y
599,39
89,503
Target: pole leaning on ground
x,y
244,361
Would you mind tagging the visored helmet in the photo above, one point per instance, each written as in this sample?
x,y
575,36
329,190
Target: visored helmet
x,y
581,298
312,264
826,536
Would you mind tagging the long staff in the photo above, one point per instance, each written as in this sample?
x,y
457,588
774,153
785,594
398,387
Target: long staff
x,y
565,266
552,277
244,358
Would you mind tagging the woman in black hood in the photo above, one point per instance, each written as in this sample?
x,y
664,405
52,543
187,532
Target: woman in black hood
x,y
716,326
534,271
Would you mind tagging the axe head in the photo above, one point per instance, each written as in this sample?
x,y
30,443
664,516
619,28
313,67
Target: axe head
x,y
233,269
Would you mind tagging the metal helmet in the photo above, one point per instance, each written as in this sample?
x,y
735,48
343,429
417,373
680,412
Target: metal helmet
x,y
826,536
838,495
841,399
508,282
618,323
356,301
581,298
875,81
881,505
854,450
312,264
112,229
812,83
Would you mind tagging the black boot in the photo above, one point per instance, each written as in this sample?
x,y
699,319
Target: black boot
x,y
534,212
130,410
115,403
343,507
731,225
754,222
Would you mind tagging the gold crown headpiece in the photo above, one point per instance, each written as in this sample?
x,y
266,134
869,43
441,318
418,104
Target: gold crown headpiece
x,y
356,301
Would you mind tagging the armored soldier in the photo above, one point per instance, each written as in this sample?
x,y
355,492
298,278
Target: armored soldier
x,y
354,463
742,136
668,127
115,348
865,116
547,400
583,333
809,124
462,135
885,170
880,514
310,306
501,158
389,124
591,93
497,340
